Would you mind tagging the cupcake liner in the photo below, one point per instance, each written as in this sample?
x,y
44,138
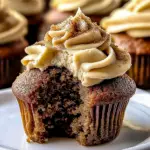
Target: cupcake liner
x,y
27,117
107,120
32,124
140,70
105,126
9,70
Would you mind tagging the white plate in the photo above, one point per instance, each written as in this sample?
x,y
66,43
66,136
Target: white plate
x,y
12,136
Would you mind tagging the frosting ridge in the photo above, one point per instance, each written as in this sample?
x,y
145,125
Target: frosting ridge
x,y
27,7
12,24
83,48
133,18
89,7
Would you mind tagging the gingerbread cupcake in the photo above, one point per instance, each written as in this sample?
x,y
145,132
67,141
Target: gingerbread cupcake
x,y
13,28
33,11
130,28
75,84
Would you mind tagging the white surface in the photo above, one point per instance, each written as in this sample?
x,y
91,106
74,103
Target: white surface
x,y
137,114
12,136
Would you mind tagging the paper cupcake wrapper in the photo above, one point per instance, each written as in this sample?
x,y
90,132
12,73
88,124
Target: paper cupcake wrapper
x,y
140,70
32,123
107,120
27,118
106,123
9,70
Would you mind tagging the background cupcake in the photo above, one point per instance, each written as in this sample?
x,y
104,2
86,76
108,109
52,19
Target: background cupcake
x,y
130,26
13,28
74,84
62,9
32,10
95,9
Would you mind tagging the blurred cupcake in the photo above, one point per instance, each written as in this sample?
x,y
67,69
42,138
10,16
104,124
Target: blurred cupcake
x,y
62,9
32,10
130,26
95,9
13,27
74,84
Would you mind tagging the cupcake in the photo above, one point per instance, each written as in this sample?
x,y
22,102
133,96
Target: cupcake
x,y
32,10
74,84
62,9
130,28
13,28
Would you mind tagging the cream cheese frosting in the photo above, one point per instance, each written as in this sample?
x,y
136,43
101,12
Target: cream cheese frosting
x,y
27,7
83,48
133,18
12,24
89,7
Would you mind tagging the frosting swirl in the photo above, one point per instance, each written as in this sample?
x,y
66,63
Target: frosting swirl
x,y
83,48
27,7
12,25
133,18
89,7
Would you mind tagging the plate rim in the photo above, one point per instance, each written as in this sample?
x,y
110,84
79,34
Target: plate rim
x,y
143,145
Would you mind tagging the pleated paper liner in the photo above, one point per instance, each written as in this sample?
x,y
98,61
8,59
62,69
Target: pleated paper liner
x,y
108,119
27,118
140,70
9,70
32,124
105,126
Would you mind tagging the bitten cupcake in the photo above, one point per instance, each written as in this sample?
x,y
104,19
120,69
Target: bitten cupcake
x,y
75,84
32,10
13,28
130,27
62,9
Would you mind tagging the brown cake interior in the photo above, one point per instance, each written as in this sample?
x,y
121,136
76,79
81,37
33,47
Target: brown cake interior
x,y
58,103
